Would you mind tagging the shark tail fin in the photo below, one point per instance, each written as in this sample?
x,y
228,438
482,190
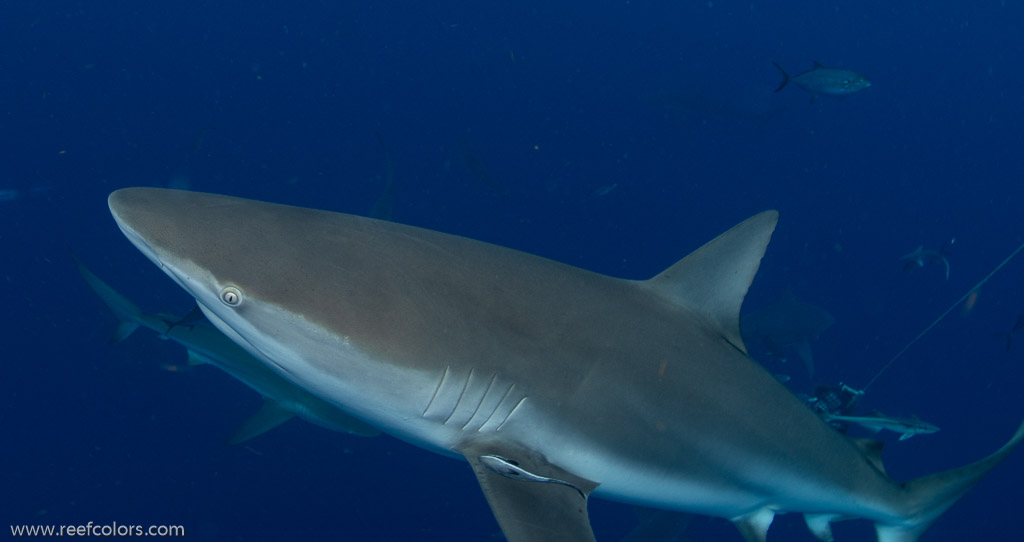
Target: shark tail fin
x,y
929,496
785,77
128,315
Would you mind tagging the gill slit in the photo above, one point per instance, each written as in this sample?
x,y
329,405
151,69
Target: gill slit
x,y
461,396
496,407
514,409
438,390
481,401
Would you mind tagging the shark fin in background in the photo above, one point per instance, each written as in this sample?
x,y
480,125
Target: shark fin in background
x,y
754,526
128,315
123,331
532,500
803,351
270,416
697,282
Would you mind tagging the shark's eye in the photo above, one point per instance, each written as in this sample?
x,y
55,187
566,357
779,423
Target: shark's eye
x,y
231,296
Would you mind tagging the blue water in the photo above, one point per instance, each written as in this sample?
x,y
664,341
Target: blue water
x,y
615,136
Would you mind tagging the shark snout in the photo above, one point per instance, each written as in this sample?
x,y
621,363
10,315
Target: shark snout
x,y
149,218
124,211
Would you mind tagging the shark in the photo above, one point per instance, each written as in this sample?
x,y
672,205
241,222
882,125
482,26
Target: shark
x,y
920,256
876,421
206,345
554,383
787,325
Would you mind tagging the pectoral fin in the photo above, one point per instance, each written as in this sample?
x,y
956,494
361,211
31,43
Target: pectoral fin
x,y
270,416
754,526
533,500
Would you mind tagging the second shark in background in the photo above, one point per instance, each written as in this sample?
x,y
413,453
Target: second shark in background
x,y
206,344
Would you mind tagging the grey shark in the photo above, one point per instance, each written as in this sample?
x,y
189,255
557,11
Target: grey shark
x,y
921,256
787,325
205,344
553,382
876,421
821,80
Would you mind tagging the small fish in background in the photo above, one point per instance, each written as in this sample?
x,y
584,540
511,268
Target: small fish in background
x,y
821,80
604,190
920,257
1017,328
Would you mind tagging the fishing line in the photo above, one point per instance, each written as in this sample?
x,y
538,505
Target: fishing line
x,y
939,319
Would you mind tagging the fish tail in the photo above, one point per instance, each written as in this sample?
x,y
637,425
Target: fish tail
x,y
926,498
785,77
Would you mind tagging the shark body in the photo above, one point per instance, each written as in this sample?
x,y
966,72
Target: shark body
x,y
906,427
205,344
920,257
788,324
551,381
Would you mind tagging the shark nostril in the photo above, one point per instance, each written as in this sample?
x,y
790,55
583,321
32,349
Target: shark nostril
x,y
231,296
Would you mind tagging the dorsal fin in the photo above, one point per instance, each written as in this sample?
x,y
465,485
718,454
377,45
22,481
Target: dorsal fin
x,y
713,279
872,451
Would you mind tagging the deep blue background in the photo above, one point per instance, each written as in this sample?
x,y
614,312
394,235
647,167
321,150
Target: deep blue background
x,y
557,102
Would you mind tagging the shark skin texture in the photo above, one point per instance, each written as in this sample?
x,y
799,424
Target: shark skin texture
x,y
553,382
